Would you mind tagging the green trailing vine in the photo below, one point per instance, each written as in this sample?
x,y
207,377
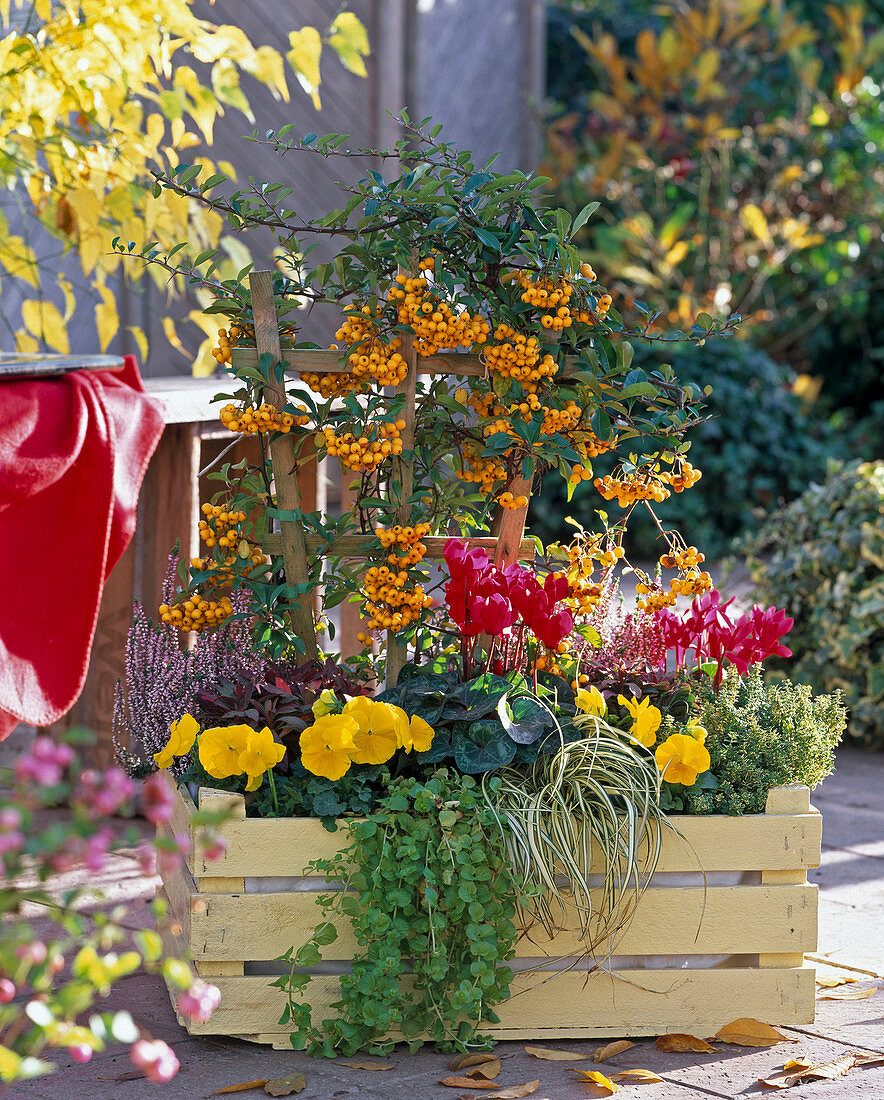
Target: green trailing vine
x,y
432,900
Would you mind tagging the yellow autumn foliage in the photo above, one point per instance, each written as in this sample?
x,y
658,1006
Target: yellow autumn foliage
x,y
93,98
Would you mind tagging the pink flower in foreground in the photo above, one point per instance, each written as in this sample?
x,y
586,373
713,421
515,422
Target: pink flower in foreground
x,y
156,797
155,1059
7,991
200,1001
214,847
81,1052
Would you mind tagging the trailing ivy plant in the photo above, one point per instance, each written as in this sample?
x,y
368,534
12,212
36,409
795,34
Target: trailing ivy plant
x,y
432,899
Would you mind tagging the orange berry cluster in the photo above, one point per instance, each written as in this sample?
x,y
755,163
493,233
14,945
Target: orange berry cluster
x,y
329,385
580,473
220,526
196,613
266,418
239,330
589,317
518,357
232,566
655,599
511,503
407,539
486,472
590,446
682,559
364,453
633,487
557,421
436,325
691,583
686,477
548,294
391,605
378,361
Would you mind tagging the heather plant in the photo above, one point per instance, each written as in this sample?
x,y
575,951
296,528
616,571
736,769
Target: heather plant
x,y
163,678
40,1009
762,735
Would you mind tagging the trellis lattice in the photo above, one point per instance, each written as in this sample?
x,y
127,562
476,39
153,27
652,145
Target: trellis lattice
x,y
505,545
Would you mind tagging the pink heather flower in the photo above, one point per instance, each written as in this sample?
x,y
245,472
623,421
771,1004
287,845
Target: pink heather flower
x,y
81,1052
34,770
169,862
147,858
52,752
10,819
214,847
96,849
11,842
200,1001
155,1059
7,991
157,800
33,953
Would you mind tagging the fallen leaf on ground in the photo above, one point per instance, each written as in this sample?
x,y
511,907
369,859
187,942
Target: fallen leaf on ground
x,y
485,1071
466,1083
594,1077
830,981
848,994
285,1086
513,1092
645,1075
791,1072
549,1055
603,1053
679,1042
871,1060
799,1070
747,1032
243,1087
368,1065
461,1061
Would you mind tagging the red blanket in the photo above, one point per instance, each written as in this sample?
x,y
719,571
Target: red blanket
x,y
73,452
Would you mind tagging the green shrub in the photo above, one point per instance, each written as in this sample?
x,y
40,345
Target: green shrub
x,y
759,448
822,558
763,735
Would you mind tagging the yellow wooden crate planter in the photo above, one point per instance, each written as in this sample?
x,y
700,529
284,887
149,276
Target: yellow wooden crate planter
x,y
663,979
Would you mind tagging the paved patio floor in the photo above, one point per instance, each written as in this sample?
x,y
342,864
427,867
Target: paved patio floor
x,y
851,881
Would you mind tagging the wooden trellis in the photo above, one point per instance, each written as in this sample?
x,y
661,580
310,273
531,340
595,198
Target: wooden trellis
x,y
505,545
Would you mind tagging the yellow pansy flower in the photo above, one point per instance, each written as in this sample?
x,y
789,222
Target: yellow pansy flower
x,y
418,734
220,748
591,701
260,754
327,747
646,719
327,703
682,758
182,735
381,729
694,729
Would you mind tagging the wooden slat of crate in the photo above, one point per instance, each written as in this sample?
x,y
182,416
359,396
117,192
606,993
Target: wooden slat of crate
x,y
766,842
676,920
573,1005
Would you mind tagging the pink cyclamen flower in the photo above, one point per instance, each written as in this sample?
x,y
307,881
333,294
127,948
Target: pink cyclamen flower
x,y
156,798
492,614
155,1059
200,1001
